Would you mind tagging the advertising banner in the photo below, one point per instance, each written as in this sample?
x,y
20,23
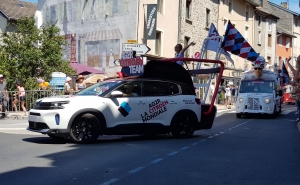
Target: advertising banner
x,y
151,21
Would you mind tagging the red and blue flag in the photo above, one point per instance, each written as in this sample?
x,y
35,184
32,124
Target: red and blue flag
x,y
236,44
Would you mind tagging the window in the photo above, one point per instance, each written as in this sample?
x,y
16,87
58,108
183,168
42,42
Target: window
x,y
160,6
259,21
188,9
259,37
157,88
125,7
229,6
158,43
246,32
224,1
207,21
225,24
53,14
247,13
280,40
269,60
269,26
131,89
287,42
186,42
173,88
269,40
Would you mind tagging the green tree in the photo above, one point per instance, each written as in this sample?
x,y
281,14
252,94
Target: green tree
x,y
28,49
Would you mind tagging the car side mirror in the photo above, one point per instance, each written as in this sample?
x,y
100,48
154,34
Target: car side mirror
x,y
280,93
116,94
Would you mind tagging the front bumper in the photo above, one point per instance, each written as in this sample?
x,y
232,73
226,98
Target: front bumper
x,y
48,121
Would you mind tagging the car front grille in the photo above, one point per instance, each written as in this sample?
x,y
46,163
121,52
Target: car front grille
x,y
253,104
37,125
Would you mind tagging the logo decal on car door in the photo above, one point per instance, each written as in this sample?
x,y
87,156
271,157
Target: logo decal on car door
x,y
124,109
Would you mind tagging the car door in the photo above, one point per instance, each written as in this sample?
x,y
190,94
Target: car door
x,y
163,101
128,108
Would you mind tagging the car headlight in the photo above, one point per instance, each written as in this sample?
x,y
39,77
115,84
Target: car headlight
x,y
50,105
267,100
241,100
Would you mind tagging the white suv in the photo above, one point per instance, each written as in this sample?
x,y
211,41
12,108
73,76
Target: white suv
x,y
119,107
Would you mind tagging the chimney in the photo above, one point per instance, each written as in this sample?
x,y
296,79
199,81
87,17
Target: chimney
x,y
285,5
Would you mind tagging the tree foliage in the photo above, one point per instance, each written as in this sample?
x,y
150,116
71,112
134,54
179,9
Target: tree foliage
x,y
28,49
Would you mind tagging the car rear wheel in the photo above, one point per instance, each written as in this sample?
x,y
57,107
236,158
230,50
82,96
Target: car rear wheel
x,y
238,115
183,125
85,129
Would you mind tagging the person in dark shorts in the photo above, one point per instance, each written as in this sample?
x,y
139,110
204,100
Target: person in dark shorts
x,y
4,98
20,97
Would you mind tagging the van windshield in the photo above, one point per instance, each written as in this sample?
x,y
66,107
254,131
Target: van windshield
x,y
256,87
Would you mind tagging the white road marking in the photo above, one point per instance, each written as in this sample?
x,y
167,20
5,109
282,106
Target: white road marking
x,y
157,160
173,153
186,147
136,170
110,181
285,112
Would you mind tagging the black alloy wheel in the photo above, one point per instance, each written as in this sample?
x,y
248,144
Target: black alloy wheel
x,y
183,125
85,129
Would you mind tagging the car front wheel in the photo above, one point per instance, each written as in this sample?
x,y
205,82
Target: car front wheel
x,y
183,125
85,129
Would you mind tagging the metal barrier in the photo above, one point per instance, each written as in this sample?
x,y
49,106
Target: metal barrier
x,y
31,97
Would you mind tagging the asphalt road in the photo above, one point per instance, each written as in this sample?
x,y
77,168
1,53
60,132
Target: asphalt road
x,y
252,150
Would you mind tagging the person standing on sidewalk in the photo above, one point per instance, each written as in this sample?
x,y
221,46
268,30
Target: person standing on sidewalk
x,y
212,90
20,96
4,98
228,97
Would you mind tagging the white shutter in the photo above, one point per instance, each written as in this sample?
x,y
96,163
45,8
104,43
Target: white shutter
x,y
280,40
287,44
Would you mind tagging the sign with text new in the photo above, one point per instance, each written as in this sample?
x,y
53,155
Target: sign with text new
x,y
151,21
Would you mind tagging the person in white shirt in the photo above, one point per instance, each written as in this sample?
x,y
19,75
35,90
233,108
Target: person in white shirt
x,y
212,90
227,96
180,52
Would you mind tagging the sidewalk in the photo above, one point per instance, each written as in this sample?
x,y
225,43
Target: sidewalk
x,y
220,107
16,115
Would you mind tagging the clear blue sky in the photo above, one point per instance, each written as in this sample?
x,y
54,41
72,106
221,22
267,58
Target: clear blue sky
x,y
294,4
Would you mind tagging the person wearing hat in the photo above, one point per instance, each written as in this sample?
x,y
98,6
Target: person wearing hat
x,y
80,83
4,98
20,96
67,86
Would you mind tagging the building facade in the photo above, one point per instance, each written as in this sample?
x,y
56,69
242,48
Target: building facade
x,y
11,11
284,45
97,29
265,35
241,14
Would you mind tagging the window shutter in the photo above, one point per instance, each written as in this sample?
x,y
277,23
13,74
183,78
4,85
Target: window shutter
x,y
287,42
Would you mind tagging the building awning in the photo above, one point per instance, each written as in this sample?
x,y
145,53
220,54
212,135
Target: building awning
x,y
103,35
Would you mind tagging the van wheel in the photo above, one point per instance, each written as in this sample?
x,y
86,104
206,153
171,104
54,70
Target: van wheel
x,y
238,115
85,129
183,125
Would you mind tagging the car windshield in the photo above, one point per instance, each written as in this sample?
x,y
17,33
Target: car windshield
x,y
256,87
98,89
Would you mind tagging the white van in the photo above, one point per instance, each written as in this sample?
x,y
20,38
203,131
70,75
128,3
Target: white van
x,y
259,95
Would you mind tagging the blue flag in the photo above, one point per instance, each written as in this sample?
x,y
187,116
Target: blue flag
x,y
285,74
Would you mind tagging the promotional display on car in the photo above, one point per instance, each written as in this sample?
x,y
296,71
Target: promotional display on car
x,y
161,100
